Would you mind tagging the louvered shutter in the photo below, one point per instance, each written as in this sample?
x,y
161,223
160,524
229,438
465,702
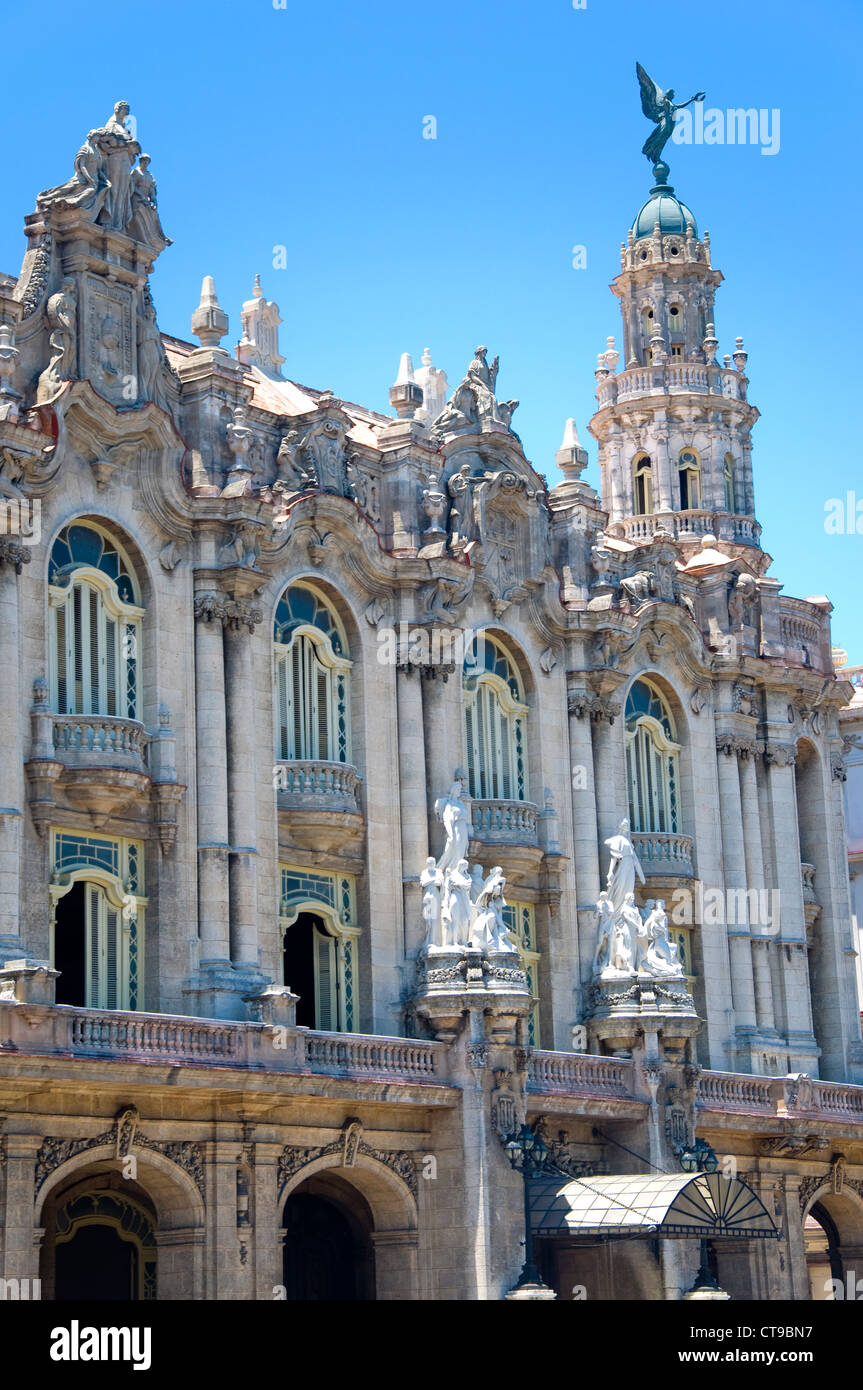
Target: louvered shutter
x,y
78,651
471,751
60,656
323,711
325,980
110,666
112,958
282,713
96,658
298,694
93,946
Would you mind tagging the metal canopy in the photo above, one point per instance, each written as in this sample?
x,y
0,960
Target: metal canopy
x,y
632,1204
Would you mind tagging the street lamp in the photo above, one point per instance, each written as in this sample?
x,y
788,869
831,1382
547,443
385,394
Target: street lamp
x,y
527,1153
699,1158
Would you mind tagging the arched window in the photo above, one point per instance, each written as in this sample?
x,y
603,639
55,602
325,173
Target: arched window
x,y
689,473
95,625
648,322
642,485
728,475
652,761
495,719
311,671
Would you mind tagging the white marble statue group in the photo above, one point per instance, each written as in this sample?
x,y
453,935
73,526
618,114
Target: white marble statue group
x,y
630,940
461,906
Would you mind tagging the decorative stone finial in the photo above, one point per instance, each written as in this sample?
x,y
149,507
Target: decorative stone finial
x,y
434,386
209,321
710,344
405,395
259,345
571,458
741,357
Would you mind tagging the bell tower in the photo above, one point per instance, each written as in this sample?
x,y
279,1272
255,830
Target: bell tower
x,y
674,425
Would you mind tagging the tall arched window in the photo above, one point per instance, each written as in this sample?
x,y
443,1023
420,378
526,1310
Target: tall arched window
x,y
728,476
95,625
652,761
642,485
495,720
689,473
311,671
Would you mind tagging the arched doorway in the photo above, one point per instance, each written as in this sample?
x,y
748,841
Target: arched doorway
x,y
311,970
833,1242
328,1253
103,1245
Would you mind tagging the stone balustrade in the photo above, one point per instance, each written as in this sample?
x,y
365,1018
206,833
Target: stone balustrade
x,y
361,1054
802,626
725,1090
173,1038
575,1073
807,873
773,1095
86,740
504,822
663,854
672,378
326,785
744,530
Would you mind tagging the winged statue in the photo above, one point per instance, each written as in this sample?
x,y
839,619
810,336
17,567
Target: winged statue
x,y
660,107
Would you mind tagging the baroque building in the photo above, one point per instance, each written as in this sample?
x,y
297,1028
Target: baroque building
x,y
365,800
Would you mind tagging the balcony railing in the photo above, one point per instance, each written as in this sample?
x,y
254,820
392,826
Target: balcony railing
x,y
663,854
719,1090
744,530
575,1073
95,740
348,1054
128,1036
672,378
320,785
504,822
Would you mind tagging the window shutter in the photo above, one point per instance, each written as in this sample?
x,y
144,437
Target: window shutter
x,y
93,1000
96,658
297,683
471,751
60,657
282,714
323,697
112,954
110,666
78,640
324,980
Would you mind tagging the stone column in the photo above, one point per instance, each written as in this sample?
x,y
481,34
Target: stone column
x,y
663,474
734,865
444,739
269,1234
12,557
412,799
612,802
791,940
241,745
20,1236
585,847
212,781
760,942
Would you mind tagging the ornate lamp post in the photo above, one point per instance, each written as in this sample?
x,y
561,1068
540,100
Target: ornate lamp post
x,y
700,1158
527,1153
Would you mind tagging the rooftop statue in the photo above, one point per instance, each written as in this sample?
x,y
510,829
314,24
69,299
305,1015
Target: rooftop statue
x,y
474,406
660,107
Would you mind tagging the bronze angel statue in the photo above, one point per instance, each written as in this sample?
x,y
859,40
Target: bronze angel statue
x,y
660,107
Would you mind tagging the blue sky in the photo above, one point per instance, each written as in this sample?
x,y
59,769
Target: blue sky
x,y
302,127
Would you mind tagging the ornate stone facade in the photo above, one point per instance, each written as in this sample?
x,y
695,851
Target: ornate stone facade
x,y
255,629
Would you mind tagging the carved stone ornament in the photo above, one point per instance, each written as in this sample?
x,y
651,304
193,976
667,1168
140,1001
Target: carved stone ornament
x,y
399,1161
473,407
123,1137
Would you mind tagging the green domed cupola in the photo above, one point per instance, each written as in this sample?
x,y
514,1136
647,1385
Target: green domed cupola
x,y
664,208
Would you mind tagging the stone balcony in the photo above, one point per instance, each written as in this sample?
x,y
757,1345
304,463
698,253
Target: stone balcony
x,y
696,522
664,855
319,805
672,378
98,763
505,832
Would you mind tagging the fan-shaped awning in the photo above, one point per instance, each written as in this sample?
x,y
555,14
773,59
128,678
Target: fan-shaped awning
x,y
674,1204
